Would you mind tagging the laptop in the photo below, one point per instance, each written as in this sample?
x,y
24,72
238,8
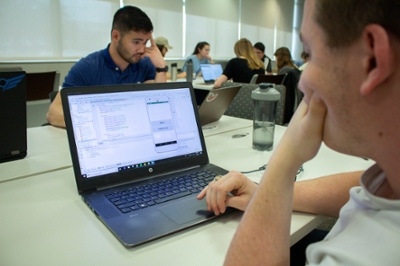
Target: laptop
x,y
216,103
210,72
13,136
139,157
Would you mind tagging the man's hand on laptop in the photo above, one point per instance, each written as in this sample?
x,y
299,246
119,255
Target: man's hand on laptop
x,y
232,190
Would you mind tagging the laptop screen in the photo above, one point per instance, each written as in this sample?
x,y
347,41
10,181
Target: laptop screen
x,y
211,71
118,131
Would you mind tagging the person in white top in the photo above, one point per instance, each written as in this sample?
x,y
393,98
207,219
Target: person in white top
x,y
305,56
351,103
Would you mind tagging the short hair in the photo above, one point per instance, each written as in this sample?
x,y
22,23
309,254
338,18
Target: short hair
x,y
344,21
260,46
199,47
283,58
132,18
243,48
304,55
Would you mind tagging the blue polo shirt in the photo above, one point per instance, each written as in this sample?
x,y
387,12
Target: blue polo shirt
x,y
99,69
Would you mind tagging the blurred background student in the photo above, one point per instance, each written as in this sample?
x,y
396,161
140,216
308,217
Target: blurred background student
x,y
201,55
163,46
286,66
305,56
259,49
244,66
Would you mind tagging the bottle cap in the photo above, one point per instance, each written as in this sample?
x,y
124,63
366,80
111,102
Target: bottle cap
x,y
266,92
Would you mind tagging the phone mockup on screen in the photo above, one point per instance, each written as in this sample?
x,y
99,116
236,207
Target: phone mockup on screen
x,y
161,123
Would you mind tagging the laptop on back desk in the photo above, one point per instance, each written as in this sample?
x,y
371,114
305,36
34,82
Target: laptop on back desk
x,y
216,103
210,72
139,157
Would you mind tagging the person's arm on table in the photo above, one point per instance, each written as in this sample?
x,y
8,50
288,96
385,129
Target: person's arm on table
x,y
55,114
220,80
325,195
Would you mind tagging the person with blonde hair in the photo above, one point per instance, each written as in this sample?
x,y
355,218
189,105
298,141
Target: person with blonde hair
x,y
244,66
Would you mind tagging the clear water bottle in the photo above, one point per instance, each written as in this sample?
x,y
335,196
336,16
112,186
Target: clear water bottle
x,y
265,99
174,71
189,71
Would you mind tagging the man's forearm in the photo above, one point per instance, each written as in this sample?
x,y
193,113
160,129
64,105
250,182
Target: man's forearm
x,y
325,195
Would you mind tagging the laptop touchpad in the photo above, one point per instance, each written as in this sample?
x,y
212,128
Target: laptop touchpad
x,y
187,210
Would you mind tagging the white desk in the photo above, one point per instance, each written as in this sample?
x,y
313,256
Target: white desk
x,y
47,151
226,124
44,221
233,150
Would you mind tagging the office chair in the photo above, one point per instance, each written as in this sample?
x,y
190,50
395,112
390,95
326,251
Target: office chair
x,y
10,69
293,94
242,105
275,79
39,85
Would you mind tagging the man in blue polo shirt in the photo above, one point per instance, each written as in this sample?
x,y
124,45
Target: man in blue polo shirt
x,y
125,60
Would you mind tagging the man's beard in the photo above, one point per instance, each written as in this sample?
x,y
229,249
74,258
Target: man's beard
x,y
124,54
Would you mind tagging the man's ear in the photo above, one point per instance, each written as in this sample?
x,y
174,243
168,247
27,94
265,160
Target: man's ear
x,y
379,64
115,35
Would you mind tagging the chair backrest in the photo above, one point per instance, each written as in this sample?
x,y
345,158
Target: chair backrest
x,y
293,95
10,69
39,85
275,79
242,105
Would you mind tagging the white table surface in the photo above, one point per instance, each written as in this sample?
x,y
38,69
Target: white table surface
x,y
48,150
44,221
226,124
198,83
231,150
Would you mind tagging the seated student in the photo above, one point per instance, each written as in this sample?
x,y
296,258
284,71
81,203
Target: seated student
x,y
163,46
351,88
244,66
285,65
305,56
201,55
259,49
125,60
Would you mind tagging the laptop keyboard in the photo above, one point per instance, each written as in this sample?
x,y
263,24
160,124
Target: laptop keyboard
x,y
148,195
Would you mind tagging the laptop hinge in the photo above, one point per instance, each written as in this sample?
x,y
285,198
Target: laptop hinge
x,y
150,177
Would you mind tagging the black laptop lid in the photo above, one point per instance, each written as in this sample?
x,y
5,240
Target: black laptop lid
x,y
13,137
124,133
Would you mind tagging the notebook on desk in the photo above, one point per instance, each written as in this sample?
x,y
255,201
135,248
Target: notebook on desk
x,y
216,103
139,157
210,73
13,136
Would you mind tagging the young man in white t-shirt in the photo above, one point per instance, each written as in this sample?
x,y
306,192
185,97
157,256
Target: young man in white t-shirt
x,y
351,103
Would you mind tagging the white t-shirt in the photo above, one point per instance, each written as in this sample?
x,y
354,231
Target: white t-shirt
x,y
367,231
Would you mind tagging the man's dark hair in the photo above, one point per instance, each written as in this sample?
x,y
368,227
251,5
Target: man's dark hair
x,y
304,55
200,46
130,18
344,21
260,46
